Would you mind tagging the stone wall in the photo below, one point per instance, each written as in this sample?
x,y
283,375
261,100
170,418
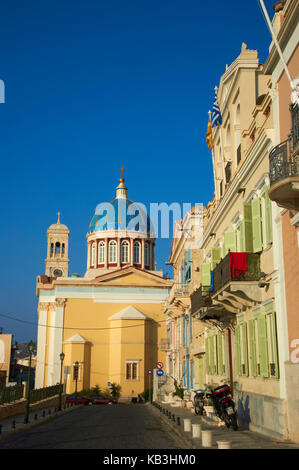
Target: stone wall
x,y
260,413
16,408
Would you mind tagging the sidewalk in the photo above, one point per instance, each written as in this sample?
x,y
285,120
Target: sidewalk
x,y
241,439
15,424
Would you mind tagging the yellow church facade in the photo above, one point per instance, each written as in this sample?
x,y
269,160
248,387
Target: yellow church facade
x,y
111,321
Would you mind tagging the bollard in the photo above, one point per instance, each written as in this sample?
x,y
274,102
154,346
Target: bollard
x,y
187,425
224,444
178,421
196,429
207,438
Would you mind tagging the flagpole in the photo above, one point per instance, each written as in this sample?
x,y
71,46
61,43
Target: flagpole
x,y
292,84
213,157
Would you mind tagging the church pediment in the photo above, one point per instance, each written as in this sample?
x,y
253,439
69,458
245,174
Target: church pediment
x,y
132,276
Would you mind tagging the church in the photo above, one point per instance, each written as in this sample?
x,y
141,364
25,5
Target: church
x,y
110,321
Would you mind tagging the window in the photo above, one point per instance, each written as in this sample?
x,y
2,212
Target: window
x,y
125,246
101,253
136,253
146,254
52,249
57,248
132,370
112,252
63,249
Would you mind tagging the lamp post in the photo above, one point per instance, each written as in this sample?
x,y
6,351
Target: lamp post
x,y
30,348
60,390
76,375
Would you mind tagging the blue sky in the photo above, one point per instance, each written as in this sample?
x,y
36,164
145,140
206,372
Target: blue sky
x,y
94,84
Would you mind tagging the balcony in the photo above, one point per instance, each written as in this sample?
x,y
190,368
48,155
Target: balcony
x,y
200,298
235,289
164,344
178,296
284,167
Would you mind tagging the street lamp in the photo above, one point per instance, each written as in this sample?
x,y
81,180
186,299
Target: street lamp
x,y
61,355
30,348
76,375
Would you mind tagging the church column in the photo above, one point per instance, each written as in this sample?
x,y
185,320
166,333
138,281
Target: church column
x,y
106,253
131,248
41,344
96,254
55,341
142,253
118,252
153,256
88,255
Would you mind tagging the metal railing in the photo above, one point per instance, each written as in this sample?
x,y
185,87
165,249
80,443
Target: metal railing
x,y
40,394
200,298
11,394
283,162
222,272
294,108
180,289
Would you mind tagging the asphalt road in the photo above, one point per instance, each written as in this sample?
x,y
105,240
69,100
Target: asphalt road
x,y
97,427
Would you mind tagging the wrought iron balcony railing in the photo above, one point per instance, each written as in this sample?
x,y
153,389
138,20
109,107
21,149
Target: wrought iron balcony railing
x,y
223,275
200,298
283,161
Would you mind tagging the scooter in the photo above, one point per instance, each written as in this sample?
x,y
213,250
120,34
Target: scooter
x,y
224,405
199,402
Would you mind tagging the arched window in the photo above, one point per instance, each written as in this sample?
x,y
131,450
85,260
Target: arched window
x,y
101,253
125,249
57,248
146,254
93,249
227,137
136,252
52,249
113,252
63,249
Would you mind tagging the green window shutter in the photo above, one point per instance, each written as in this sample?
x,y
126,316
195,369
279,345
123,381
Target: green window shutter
x,y
207,342
230,241
220,353
206,274
216,257
252,348
247,227
268,221
244,349
200,373
215,354
257,225
238,350
263,345
275,345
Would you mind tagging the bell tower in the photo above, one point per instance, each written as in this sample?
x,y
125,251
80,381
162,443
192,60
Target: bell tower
x,y
57,261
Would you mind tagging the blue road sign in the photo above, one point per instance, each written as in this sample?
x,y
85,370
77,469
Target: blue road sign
x,y
160,372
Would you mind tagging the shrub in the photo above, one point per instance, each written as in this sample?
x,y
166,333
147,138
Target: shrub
x,y
147,395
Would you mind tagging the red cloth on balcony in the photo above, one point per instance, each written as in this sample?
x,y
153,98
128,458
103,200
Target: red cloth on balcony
x,y
238,264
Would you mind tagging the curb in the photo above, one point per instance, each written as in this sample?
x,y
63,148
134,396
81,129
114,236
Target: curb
x,y
25,427
183,439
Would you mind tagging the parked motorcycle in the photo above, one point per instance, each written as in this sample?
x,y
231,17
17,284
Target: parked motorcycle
x,y
224,405
199,402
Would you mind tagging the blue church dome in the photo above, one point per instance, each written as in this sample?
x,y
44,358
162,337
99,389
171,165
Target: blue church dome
x,y
121,214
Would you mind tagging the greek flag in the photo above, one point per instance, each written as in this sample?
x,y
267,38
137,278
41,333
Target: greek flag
x,y
216,115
